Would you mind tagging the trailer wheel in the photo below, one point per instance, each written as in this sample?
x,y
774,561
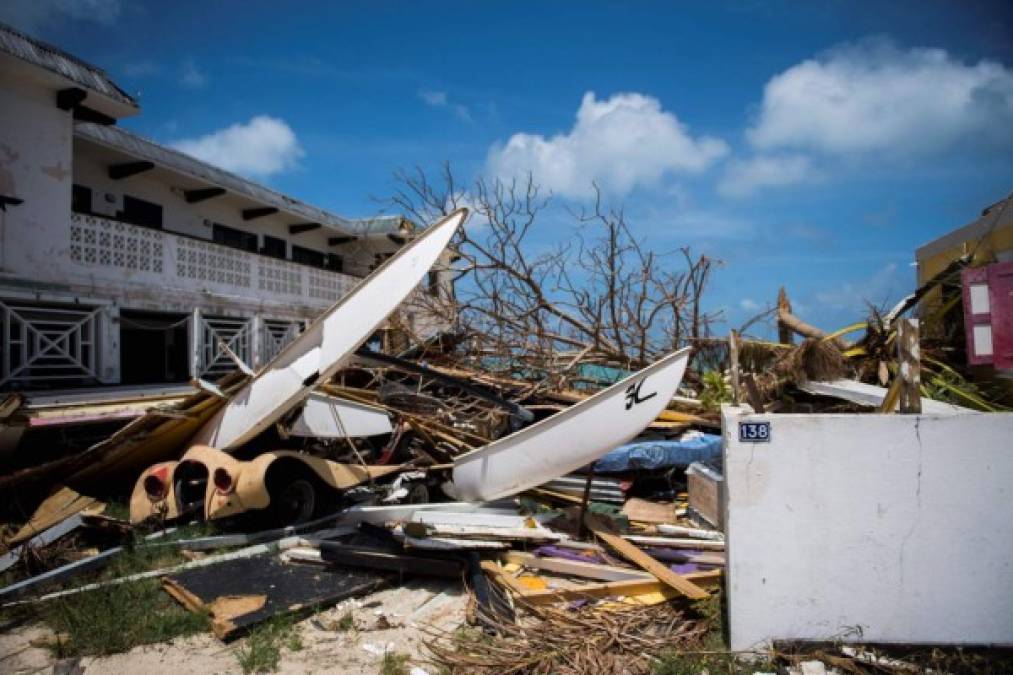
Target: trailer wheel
x,y
295,502
418,493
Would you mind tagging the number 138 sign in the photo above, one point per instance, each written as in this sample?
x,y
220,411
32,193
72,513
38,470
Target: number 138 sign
x,y
754,432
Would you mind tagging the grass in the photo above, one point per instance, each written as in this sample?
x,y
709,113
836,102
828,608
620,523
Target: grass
x,y
394,663
345,623
117,618
261,653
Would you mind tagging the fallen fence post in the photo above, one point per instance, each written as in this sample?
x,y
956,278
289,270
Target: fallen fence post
x,y
909,362
733,359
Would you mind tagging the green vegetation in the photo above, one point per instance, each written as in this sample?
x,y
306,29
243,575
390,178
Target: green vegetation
x,y
715,390
394,663
261,652
345,623
118,618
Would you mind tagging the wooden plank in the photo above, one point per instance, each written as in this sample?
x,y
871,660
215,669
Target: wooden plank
x,y
669,542
909,361
626,587
644,511
753,394
586,570
646,562
56,508
502,578
733,359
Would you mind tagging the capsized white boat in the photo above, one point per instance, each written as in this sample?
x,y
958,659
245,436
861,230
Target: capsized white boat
x,y
328,343
324,416
572,438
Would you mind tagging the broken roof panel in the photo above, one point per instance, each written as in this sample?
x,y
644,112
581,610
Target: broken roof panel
x,y
56,60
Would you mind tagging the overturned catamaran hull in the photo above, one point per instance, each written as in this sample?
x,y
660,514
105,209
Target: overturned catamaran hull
x,y
572,438
328,343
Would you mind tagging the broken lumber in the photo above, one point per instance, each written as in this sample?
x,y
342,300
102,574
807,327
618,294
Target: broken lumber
x,y
669,542
625,587
586,570
646,562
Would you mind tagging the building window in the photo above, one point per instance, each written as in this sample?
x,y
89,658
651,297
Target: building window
x,y
335,262
434,283
274,247
80,199
140,212
307,256
233,238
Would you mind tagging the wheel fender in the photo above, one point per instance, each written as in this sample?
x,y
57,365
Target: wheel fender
x,y
142,507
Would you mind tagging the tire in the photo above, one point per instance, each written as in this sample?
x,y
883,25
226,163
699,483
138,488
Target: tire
x,y
295,502
418,493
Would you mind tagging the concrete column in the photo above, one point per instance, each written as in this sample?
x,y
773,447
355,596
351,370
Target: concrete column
x,y
195,342
256,341
107,361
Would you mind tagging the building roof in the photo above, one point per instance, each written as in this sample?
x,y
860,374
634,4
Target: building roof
x,y
993,217
56,60
168,158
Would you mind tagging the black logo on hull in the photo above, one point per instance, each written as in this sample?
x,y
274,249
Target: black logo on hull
x,y
633,396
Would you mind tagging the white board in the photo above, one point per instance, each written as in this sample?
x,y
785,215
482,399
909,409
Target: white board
x,y
324,347
326,416
572,438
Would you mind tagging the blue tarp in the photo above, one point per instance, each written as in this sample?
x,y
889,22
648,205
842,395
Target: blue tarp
x,y
660,454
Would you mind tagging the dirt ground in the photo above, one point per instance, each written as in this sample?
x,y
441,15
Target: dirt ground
x,y
388,620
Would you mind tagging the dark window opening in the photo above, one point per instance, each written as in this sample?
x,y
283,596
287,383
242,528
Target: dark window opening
x,y
307,256
140,212
154,347
434,283
80,199
274,247
233,238
335,262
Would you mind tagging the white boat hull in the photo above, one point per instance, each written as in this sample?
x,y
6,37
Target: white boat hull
x,y
326,416
320,351
572,438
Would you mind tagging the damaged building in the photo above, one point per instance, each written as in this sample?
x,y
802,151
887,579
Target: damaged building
x,y
126,262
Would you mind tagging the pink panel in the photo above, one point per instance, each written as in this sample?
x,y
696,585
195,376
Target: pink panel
x,y
969,277
1000,295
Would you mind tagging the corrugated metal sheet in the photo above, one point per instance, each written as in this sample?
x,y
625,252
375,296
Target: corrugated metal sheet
x,y
142,148
60,62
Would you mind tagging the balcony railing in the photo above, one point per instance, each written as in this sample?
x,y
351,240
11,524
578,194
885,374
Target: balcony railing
x,y
119,252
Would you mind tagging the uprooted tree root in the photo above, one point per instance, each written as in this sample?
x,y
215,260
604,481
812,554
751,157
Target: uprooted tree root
x,y
815,360
620,639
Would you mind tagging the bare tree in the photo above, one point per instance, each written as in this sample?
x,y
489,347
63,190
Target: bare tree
x,y
597,297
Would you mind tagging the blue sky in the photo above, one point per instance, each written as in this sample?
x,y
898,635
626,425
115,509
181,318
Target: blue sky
x,y
809,144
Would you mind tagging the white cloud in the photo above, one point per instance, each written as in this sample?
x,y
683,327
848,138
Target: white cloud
x,y
191,76
140,69
261,147
623,142
750,305
440,99
434,98
878,289
33,15
875,97
744,177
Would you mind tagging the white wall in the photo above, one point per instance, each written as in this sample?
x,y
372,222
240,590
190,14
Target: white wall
x,y
900,525
35,165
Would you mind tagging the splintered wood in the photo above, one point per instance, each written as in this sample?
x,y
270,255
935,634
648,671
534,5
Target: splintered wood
x,y
625,640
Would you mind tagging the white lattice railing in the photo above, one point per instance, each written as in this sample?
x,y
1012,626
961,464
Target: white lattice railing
x,y
108,248
45,344
274,335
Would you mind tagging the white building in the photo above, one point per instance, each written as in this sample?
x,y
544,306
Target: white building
x,y
126,262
